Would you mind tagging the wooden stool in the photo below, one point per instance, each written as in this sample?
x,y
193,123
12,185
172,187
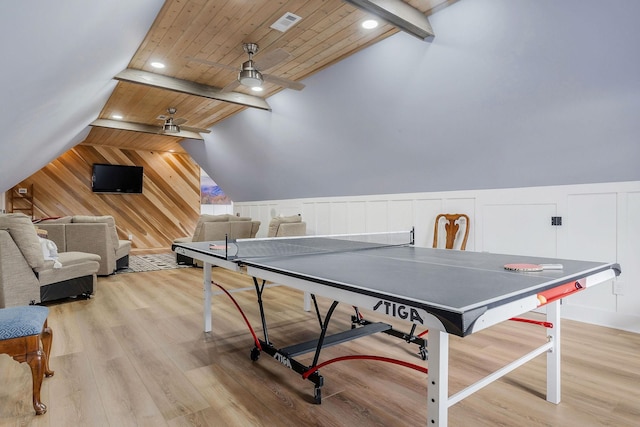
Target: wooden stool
x,y
25,336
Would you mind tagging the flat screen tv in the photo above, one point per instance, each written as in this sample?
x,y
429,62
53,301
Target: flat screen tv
x,y
116,179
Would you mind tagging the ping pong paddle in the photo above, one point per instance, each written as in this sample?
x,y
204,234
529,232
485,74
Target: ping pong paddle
x,y
532,267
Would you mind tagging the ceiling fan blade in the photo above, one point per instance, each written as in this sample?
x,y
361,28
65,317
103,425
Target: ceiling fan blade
x,y
179,121
190,129
212,63
271,59
280,81
142,127
231,86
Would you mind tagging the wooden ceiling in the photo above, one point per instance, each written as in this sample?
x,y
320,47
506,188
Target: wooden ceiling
x,y
187,32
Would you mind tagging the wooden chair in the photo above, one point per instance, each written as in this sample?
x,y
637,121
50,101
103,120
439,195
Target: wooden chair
x,y
25,336
451,226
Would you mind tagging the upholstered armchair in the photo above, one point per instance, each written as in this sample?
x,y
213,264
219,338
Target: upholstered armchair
x,y
96,234
218,227
283,226
27,277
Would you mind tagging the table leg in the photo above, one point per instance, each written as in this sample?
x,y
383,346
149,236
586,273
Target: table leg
x,y
553,355
438,387
206,268
307,302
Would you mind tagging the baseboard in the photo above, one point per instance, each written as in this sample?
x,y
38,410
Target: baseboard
x,y
625,322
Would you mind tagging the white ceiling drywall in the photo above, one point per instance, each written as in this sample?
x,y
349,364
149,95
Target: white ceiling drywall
x,y
58,63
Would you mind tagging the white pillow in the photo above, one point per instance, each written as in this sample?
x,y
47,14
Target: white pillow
x,y
50,251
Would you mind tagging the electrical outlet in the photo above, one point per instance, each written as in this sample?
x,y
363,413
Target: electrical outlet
x,y
130,236
618,287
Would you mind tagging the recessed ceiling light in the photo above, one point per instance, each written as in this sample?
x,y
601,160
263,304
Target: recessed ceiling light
x,y
157,65
116,116
370,24
171,151
256,89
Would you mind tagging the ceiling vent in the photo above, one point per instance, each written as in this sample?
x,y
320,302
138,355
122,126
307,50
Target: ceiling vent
x,y
285,22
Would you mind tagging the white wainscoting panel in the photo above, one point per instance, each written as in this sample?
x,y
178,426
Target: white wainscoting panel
x,y
339,211
599,222
400,215
356,217
591,227
629,257
519,229
322,219
426,211
377,218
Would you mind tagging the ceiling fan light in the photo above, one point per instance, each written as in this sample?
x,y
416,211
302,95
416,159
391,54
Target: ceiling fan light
x,y
250,78
170,127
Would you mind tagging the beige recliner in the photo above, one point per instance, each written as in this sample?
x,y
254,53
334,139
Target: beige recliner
x,y
283,226
26,277
216,228
96,234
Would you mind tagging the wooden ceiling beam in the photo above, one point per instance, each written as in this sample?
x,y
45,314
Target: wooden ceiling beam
x,y
398,13
190,88
141,127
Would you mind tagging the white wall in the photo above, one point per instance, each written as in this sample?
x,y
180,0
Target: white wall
x,y
58,63
216,209
510,93
599,222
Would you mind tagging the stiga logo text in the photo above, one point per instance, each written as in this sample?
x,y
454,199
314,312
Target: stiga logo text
x,y
283,359
398,310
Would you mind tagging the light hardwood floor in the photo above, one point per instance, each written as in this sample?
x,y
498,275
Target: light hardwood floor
x,y
135,354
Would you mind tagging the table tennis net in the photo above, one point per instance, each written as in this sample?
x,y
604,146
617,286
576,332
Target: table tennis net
x,y
307,245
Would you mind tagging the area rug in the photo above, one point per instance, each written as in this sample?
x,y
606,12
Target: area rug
x,y
139,263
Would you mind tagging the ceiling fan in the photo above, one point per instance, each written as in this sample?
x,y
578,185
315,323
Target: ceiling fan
x,y
172,124
250,75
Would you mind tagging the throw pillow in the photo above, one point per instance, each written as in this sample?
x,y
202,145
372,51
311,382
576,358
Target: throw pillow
x,y
24,234
50,251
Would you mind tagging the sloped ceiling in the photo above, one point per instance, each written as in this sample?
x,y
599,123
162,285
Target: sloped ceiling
x,y
508,94
60,60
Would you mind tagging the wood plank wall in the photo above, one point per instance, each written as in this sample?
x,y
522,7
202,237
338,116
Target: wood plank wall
x,y
168,207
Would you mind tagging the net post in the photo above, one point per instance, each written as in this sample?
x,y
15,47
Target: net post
x,y
412,234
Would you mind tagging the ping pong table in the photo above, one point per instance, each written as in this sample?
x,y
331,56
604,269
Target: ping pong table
x,y
447,291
